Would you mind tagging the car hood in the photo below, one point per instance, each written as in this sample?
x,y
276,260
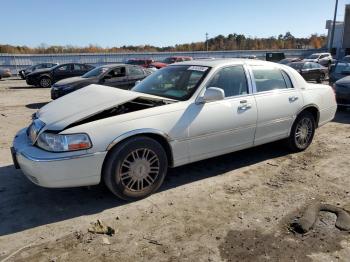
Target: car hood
x,y
344,81
72,80
84,103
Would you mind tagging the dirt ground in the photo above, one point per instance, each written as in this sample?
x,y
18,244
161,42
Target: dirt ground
x,y
235,207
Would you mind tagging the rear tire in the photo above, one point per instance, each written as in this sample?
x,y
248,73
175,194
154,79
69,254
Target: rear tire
x,y
45,82
302,133
136,168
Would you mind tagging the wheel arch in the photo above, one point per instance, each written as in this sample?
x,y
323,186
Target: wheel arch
x,y
161,137
313,109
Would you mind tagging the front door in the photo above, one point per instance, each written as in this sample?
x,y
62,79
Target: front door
x,y
224,126
62,72
116,77
278,103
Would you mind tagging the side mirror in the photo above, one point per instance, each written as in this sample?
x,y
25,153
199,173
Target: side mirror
x,y
211,94
137,82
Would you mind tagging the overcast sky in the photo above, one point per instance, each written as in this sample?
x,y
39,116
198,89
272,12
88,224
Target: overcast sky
x,y
158,22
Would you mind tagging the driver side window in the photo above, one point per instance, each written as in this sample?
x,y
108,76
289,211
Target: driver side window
x,y
63,68
232,80
117,72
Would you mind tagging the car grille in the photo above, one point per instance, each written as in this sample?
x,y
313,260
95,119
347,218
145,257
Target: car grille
x,y
34,130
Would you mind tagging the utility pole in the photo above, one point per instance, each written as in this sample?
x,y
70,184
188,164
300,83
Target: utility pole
x,y
333,26
206,41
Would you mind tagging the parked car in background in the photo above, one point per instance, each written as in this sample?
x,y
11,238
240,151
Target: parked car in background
x,y
27,71
342,91
324,59
346,59
117,75
5,73
274,56
171,60
180,114
204,58
249,57
49,76
289,60
338,71
141,62
311,71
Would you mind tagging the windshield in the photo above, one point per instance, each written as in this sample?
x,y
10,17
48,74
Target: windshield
x,y
95,72
169,60
342,67
313,56
297,66
174,82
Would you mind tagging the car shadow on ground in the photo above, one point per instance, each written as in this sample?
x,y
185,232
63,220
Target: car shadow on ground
x,y
36,105
24,205
342,116
23,87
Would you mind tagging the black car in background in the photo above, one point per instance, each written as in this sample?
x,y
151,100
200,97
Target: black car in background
x,y
338,71
342,92
47,77
27,71
122,76
311,71
289,60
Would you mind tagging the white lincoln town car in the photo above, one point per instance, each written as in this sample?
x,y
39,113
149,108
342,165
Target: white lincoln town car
x,y
180,114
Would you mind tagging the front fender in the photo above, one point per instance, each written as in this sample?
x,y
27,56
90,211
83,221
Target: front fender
x,y
137,132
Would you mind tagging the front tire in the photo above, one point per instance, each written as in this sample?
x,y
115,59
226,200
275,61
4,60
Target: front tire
x,y
302,133
136,168
45,82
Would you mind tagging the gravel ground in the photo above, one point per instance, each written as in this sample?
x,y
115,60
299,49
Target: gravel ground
x,y
235,207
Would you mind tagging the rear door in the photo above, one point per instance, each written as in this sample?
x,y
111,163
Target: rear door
x,y
78,70
278,103
135,73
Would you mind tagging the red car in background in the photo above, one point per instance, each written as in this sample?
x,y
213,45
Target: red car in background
x,y
140,62
171,60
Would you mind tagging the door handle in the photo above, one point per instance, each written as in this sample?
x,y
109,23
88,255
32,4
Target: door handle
x,y
293,98
244,105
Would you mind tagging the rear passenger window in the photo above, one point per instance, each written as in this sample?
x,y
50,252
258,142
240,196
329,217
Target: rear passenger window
x,y
232,80
267,79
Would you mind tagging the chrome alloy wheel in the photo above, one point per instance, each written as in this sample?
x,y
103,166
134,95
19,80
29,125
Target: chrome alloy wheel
x,y
139,170
303,132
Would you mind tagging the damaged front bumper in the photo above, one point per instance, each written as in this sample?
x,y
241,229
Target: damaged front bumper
x,y
56,170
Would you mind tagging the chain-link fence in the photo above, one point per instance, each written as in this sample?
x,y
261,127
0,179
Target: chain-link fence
x,y
20,61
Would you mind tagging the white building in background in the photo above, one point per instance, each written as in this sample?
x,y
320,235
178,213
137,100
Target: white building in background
x,y
341,42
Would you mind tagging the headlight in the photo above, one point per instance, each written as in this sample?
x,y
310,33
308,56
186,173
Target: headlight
x,y
64,143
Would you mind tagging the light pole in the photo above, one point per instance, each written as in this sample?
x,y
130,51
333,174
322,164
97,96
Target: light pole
x,y
333,26
206,41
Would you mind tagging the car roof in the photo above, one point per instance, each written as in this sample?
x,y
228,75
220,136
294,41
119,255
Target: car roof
x,y
225,61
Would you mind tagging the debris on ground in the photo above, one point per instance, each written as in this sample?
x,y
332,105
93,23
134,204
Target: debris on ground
x,y
99,228
152,241
307,221
105,241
